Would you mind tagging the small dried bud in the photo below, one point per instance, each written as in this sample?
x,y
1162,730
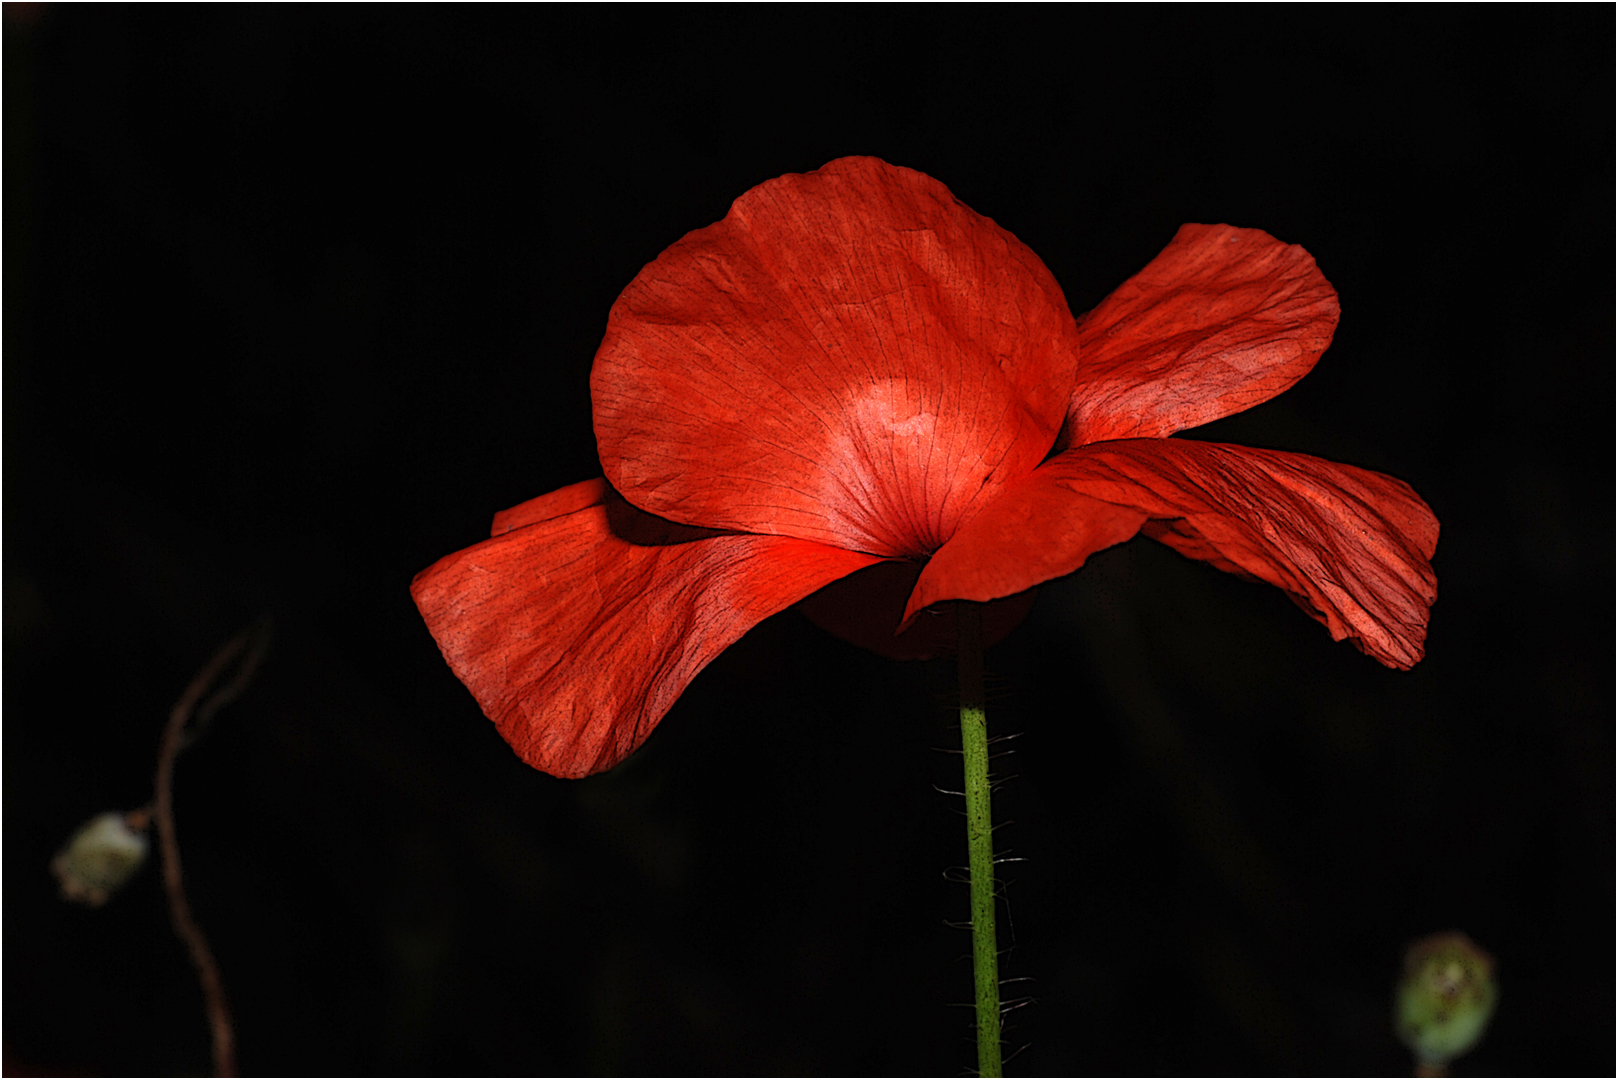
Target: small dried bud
x,y
1445,998
101,857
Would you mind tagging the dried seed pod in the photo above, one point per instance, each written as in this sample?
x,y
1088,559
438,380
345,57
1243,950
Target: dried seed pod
x,y
101,857
1445,999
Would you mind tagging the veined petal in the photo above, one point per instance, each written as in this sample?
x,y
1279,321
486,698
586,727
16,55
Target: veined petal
x,y
575,640
1223,319
1351,546
851,356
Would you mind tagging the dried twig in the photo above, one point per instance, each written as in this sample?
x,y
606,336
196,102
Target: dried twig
x,y
253,641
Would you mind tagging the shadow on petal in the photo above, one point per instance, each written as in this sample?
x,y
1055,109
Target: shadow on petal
x,y
635,526
865,607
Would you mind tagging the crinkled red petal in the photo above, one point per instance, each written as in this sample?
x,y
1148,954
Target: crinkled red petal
x,y
1223,319
851,356
1353,547
575,640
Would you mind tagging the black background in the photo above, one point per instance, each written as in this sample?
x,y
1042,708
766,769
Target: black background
x,y
297,298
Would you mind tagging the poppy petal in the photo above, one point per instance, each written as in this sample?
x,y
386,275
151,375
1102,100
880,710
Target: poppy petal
x,y
1223,319
851,356
1040,530
1351,546
559,503
575,641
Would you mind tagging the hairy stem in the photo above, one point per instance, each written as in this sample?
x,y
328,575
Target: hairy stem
x,y
176,735
979,838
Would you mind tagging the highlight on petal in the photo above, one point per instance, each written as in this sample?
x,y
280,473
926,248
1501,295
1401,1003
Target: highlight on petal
x,y
1351,546
1223,319
851,356
575,640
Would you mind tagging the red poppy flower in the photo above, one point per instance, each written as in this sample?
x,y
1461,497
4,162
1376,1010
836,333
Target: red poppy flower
x,y
854,378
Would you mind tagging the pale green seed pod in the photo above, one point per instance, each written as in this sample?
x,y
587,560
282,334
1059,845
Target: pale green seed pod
x,y
1445,999
101,857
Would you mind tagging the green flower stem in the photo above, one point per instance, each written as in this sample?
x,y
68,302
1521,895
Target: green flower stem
x,y
979,837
